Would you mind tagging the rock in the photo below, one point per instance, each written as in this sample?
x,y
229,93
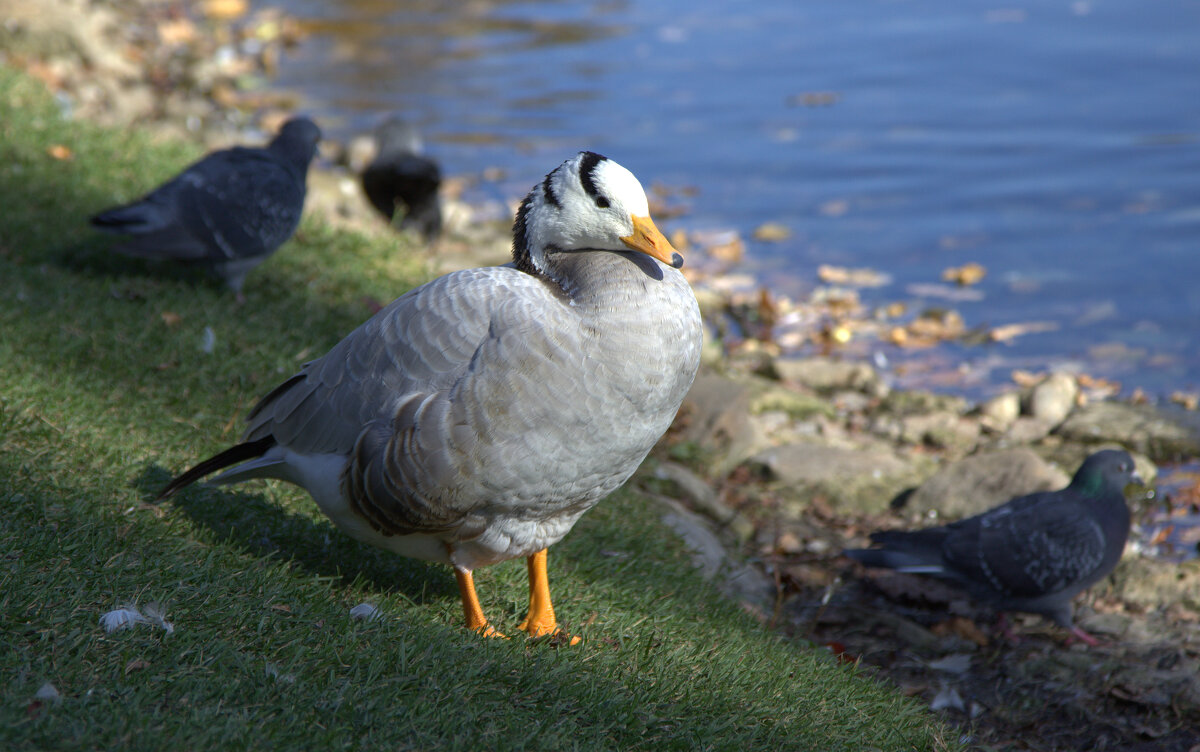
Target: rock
x,y
738,581
1153,583
797,405
828,375
977,483
940,430
917,403
701,497
1027,430
851,479
715,416
1053,399
999,412
1142,428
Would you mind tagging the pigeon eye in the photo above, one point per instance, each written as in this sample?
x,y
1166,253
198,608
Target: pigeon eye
x,y
602,202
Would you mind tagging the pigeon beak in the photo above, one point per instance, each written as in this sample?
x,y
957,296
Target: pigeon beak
x,y
647,239
1135,477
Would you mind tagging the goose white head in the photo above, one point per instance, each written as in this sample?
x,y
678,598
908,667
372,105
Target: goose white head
x,y
588,203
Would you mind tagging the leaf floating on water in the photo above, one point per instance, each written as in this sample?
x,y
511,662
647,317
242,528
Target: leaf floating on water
x,y
965,275
772,232
1189,400
1009,332
862,277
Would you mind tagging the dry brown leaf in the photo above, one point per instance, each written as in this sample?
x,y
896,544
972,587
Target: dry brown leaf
x,y
772,232
170,318
60,152
1009,332
178,31
1026,378
224,10
965,275
730,252
840,275
960,626
679,239
137,664
1189,400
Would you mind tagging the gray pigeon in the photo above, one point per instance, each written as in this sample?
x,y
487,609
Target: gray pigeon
x,y
227,212
401,178
1033,553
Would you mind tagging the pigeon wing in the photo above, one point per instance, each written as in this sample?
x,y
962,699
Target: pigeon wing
x,y
1033,546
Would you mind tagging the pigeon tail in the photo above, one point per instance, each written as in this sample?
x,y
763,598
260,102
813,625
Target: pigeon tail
x,y
248,450
130,218
901,561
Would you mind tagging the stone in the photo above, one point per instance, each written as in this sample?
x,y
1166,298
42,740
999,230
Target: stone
x,y
739,581
940,430
1141,428
1028,429
703,498
850,479
999,412
1154,583
977,483
1053,399
796,404
715,415
827,374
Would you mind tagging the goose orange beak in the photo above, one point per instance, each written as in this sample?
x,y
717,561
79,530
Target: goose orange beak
x,y
647,239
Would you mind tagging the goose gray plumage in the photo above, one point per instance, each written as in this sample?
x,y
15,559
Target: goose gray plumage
x,y
477,417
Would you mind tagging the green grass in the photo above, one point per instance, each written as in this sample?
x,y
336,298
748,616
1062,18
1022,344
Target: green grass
x,y
105,390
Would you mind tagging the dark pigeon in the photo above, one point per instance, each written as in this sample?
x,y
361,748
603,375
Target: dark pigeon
x,y
401,179
227,212
1033,553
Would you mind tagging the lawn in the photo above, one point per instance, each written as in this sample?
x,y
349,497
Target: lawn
x,y
115,374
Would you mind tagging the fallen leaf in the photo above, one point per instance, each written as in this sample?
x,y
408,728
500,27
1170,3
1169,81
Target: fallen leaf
x,y
178,31
171,319
965,275
772,232
60,152
1189,400
224,10
1009,332
839,275
137,664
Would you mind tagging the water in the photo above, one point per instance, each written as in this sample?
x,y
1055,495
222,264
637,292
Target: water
x,y
1056,143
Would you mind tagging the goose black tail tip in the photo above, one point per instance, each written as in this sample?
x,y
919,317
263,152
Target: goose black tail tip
x,y
239,453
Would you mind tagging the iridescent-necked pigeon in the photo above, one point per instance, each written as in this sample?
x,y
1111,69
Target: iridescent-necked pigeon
x,y
1033,553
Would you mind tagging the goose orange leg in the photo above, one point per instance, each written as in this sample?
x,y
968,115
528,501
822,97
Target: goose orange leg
x,y
540,620
476,621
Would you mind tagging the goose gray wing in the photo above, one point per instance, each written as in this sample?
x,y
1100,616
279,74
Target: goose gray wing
x,y
410,399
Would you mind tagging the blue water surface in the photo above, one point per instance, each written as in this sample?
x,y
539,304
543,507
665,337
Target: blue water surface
x,y
1056,143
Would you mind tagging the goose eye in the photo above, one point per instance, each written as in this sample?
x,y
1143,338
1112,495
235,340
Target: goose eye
x,y
602,202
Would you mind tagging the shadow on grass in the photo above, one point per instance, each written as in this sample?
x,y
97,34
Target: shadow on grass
x,y
261,528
